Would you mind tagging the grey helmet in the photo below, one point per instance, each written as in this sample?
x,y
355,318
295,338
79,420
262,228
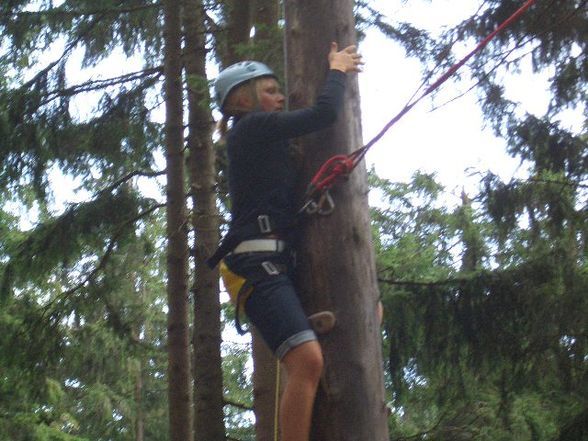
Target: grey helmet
x,y
237,74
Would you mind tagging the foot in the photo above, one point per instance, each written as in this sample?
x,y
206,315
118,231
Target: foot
x,y
322,322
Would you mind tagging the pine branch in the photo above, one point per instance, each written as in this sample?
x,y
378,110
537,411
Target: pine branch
x,y
237,405
60,12
424,434
456,280
551,181
502,57
92,85
129,176
105,257
68,49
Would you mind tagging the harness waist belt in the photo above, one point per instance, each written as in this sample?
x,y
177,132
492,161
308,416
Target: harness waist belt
x,y
260,245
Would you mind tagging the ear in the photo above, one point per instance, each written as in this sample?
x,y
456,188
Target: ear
x,y
245,101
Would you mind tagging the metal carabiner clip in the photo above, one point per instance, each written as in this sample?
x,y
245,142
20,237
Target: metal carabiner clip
x,y
311,207
326,204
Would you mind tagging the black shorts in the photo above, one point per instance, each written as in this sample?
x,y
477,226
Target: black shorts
x,y
273,307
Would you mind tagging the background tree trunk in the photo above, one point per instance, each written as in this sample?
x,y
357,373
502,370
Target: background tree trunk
x,y
336,257
208,376
239,18
264,388
177,250
238,27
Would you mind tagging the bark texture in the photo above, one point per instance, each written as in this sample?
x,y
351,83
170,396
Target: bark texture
x,y
207,371
238,27
179,384
336,258
264,389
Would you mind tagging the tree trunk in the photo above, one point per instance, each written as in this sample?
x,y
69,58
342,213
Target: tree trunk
x,y
177,251
264,389
265,18
266,13
336,258
208,376
239,21
140,416
238,27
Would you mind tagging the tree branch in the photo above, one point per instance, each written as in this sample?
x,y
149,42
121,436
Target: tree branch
x,y
104,259
417,283
129,176
70,47
92,85
83,13
237,405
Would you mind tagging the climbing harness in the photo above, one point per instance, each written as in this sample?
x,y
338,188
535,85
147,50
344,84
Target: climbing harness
x,y
317,199
240,287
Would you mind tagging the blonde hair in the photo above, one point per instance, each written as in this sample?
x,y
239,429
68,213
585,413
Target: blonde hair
x,y
234,104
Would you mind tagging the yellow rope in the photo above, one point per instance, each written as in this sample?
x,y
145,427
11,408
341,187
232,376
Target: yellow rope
x,y
277,403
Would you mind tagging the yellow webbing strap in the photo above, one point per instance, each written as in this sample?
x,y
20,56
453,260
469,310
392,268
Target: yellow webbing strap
x,y
277,403
234,284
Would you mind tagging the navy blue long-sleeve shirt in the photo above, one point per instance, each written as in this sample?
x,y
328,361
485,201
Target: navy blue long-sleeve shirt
x,y
262,172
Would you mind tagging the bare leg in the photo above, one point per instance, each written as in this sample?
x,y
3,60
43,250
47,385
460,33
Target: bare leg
x,y
304,365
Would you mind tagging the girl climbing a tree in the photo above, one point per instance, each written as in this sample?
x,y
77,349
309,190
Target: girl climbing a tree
x,y
256,262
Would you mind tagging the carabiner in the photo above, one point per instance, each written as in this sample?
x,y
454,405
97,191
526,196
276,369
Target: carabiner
x,y
326,204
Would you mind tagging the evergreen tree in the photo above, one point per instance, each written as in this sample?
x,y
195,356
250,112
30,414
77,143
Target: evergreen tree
x,y
497,340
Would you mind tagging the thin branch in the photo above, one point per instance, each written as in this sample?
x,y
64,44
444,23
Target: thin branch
x,y
84,13
104,259
426,432
504,55
486,75
237,405
92,85
70,47
456,280
550,181
129,176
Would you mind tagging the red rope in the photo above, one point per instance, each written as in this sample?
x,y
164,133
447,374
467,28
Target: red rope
x,y
340,166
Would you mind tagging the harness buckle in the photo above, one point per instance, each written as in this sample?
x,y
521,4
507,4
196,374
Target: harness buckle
x,y
270,268
263,221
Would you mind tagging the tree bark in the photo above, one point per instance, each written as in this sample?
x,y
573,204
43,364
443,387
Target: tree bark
x,y
265,18
140,416
177,250
336,258
238,27
264,388
239,20
208,376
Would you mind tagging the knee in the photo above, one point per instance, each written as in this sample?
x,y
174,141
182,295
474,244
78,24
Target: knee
x,y
305,361
314,364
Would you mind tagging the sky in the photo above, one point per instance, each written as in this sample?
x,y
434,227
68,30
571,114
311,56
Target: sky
x,y
451,141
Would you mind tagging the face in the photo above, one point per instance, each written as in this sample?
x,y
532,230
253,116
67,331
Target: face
x,y
269,95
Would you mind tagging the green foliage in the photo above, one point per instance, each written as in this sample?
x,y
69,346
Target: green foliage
x,y
69,239
488,345
238,392
485,325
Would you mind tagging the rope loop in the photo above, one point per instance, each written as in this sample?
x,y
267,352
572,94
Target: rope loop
x,y
337,167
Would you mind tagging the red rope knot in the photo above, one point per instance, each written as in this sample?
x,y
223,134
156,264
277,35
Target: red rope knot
x,y
337,167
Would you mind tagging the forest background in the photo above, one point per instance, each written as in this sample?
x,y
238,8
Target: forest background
x,y
484,333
